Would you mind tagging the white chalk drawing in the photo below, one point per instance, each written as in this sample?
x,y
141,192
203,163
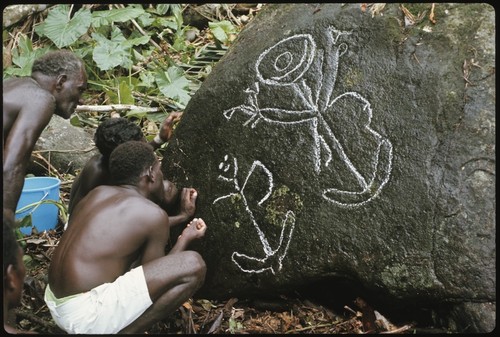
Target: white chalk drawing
x,y
273,257
285,65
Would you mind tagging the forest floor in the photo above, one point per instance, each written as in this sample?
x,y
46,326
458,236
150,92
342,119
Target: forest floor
x,y
284,315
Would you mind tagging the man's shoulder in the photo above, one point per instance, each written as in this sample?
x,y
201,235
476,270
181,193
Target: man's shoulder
x,y
15,84
26,95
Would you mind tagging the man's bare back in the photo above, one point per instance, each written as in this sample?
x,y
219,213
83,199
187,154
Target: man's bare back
x,y
108,239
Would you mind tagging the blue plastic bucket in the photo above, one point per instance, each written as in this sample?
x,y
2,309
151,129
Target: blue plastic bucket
x,y
44,215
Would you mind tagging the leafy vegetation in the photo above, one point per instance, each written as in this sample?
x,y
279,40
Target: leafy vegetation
x,y
139,55
142,55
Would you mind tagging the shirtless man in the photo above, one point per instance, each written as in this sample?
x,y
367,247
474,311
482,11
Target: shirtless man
x,y
92,289
108,135
57,82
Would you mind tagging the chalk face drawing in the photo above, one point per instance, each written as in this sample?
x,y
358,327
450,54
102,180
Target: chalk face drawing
x,y
340,125
273,258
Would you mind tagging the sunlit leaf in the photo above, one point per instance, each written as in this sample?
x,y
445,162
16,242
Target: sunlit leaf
x,y
221,30
23,57
107,17
63,30
136,113
109,53
173,84
125,93
162,9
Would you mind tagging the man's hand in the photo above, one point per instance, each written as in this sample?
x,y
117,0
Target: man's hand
x,y
194,230
167,127
188,202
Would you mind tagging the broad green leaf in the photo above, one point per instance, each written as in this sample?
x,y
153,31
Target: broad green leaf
x,y
107,17
125,93
167,22
173,84
145,20
221,30
62,30
137,41
23,57
162,9
108,53
147,79
136,113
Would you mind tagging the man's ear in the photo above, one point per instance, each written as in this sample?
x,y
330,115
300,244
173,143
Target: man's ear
x,y
60,81
10,283
150,174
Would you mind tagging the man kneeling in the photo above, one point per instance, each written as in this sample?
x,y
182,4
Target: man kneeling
x,y
92,288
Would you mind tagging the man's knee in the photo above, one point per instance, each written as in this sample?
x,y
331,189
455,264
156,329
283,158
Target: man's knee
x,y
197,264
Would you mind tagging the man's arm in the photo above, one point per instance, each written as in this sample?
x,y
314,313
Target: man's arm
x,y
90,177
188,207
194,230
157,232
166,130
18,148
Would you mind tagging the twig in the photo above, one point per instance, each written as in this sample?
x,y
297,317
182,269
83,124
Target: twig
x,y
139,28
113,107
431,15
165,101
326,325
49,165
66,151
215,326
398,330
34,319
349,309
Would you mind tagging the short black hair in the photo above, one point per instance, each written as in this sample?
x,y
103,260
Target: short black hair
x,y
10,244
115,131
129,160
58,62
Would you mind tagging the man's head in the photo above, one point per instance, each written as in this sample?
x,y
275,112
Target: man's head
x,y
115,131
13,266
68,79
135,163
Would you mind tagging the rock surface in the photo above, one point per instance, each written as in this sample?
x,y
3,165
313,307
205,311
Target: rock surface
x,y
66,147
333,142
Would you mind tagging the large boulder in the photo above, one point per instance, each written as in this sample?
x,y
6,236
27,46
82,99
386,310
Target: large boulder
x,y
65,147
334,141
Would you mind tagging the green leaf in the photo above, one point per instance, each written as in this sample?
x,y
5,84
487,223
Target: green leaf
x,y
136,113
25,222
107,17
173,84
137,41
221,30
109,53
162,9
23,57
168,22
147,79
145,20
62,30
125,93
75,120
